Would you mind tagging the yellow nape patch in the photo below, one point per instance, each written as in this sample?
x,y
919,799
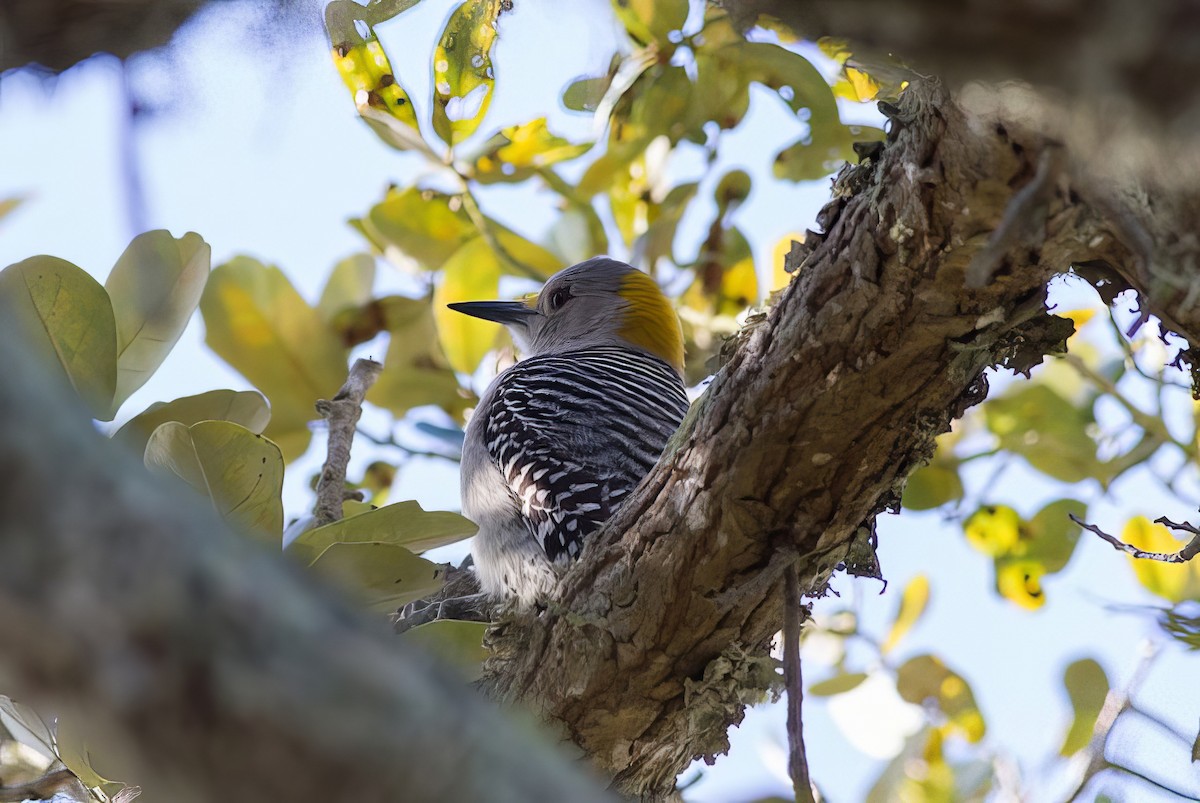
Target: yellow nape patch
x,y
650,322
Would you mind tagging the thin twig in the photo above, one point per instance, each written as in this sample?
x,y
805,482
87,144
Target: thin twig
x,y
342,415
1189,551
793,617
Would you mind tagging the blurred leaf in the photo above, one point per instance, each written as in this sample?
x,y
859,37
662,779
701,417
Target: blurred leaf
x,y
856,85
26,726
416,371
919,774
377,480
531,258
245,407
658,241
7,205
838,684
1174,582
1087,686
240,471
349,285
584,94
826,147
424,225
67,320
260,325
517,152
73,751
455,642
1181,623
926,678
367,73
780,278
382,576
463,77
472,274
1019,580
651,20
401,524
1050,536
932,486
912,605
1046,429
154,289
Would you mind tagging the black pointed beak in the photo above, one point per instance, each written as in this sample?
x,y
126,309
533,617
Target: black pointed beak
x,y
509,313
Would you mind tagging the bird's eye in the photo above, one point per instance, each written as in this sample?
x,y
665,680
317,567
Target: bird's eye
x,y
558,298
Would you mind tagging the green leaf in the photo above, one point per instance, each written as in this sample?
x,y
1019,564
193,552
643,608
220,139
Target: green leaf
x,y
349,285
932,486
584,94
245,407
72,750
455,642
912,604
1087,686
241,472
154,289
382,576
416,371
463,76
401,524
261,326
1047,430
419,224
1050,536
515,153
658,241
472,274
925,677
838,684
651,20
66,320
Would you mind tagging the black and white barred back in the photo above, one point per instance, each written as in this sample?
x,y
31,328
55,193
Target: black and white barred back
x,y
573,434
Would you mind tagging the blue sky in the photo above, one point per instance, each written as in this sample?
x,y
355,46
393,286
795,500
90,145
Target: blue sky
x,y
256,147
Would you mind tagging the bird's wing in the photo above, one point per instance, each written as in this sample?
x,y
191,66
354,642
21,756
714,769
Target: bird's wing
x,y
574,434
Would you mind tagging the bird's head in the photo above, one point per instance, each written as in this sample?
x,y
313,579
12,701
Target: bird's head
x,y
600,302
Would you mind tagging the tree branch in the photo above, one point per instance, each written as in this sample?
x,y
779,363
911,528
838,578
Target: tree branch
x,y
210,667
342,415
1189,551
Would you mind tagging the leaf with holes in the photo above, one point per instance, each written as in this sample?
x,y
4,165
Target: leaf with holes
x,y
241,472
463,77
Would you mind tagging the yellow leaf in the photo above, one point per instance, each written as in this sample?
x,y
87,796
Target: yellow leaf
x,y
780,278
349,285
261,326
1020,581
993,530
463,76
1174,582
66,320
912,605
471,274
367,73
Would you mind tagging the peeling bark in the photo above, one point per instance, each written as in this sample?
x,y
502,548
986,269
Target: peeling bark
x,y
828,402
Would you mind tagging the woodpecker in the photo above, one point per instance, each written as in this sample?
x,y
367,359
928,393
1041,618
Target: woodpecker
x,y
561,439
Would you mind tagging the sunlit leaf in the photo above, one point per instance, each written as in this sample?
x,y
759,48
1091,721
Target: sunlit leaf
x,y
912,605
1087,686
365,69
383,576
1019,580
517,152
240,471
154,289
416,371
1171,581
66,319
472,274
651,20
524,257
349,285
463,77
458,643
73,750
402,524
925,678
261,326
837,684
423,225
780,277
245,407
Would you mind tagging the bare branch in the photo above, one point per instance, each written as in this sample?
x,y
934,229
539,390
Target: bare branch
x,y
1189,551
793,617
342,414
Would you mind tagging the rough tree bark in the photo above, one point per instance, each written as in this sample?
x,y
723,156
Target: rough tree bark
x,y
825,406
